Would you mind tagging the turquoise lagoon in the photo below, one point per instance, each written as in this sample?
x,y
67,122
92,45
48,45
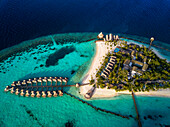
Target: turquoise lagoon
x,y
68,55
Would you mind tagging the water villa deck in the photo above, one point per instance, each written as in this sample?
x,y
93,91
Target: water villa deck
x,y
38,87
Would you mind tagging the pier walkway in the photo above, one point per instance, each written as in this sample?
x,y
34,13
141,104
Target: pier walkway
x,y
139,122
36,88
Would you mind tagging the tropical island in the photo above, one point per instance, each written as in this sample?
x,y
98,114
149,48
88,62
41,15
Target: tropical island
x,y
120,67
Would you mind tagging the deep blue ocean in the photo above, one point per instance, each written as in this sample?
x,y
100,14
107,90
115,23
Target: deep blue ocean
x,y
33,47
22,20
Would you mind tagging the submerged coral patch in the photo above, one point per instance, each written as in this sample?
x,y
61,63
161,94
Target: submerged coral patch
x,y
59,54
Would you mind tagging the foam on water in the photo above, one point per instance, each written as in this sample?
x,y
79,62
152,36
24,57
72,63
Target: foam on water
x,y
22,111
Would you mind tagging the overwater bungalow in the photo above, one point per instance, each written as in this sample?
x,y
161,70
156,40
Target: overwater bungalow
x,y
38,94
34,80
32,94
22,92
18,83
12,90
55,80
29,81
17,91
24,82
60,93
60,79
13,84
27,93
44,79
7,88
50,79
49,94
54,94
43,94
40,79
65,80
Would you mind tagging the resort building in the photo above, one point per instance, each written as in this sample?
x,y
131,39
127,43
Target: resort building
x,y
100,36
107,37
127,64
134,70
110,37
114,37
144,60
139,72
132,53
109,67
117,37
137,63
145,67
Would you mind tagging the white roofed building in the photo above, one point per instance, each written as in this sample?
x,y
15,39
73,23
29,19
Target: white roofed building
x,y
100,35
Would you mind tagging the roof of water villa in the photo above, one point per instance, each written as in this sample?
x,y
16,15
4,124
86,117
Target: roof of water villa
x,y
42,86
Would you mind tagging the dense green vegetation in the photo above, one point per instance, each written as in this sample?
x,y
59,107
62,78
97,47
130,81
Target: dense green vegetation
x,y
158,71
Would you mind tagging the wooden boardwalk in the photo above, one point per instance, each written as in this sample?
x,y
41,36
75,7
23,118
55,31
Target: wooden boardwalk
x,y
31,87
139,122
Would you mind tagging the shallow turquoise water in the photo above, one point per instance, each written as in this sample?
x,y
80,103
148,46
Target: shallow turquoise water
x,y
51,112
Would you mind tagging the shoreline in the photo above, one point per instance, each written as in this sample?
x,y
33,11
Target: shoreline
x,y
156,51
101,50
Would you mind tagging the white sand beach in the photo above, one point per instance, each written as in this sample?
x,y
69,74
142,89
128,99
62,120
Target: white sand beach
x,y
154,49
101,50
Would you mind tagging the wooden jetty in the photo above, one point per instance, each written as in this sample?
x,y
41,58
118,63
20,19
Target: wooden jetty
x,y
35,87
139,123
